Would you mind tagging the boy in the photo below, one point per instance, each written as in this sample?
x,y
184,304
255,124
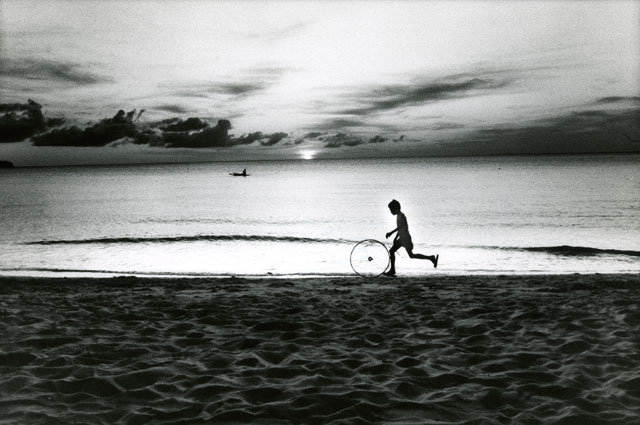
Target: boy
x,y
403,239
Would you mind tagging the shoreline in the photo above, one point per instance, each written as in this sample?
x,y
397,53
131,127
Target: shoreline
x,y
591,280
107,277
444,349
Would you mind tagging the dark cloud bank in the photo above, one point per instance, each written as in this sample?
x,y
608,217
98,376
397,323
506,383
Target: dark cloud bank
x,y
589,131
23,121
599,127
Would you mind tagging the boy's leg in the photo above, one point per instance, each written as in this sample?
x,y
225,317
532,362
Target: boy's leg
x,y
432,258
392,258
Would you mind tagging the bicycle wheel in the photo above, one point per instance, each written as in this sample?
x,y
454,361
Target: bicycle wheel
x,y
369,258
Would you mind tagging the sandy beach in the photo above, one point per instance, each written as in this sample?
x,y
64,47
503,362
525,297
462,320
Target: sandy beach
x,y
435,350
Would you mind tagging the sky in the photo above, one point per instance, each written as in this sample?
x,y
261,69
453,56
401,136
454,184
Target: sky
x,y
251,80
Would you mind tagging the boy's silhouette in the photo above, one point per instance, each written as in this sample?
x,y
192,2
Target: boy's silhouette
x,y
403,239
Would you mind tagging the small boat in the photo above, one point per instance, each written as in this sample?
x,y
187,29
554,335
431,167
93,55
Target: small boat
x,y
242,174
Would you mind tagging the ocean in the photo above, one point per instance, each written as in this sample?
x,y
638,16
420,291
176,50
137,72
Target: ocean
x,y
483,215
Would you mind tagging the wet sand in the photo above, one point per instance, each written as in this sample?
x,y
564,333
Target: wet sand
x,y
445,350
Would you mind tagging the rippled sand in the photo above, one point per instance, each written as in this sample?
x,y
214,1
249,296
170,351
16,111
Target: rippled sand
x,y
534,349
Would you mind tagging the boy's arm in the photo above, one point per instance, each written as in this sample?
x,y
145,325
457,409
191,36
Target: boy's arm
x,y
391,233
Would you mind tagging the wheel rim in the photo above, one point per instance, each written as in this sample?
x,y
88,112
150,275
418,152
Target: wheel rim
x,y
369,258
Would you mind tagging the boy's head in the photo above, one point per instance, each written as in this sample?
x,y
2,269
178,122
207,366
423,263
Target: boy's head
x,y
394,206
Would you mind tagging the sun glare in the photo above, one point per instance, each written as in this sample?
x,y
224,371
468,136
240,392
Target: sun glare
x,y
307,154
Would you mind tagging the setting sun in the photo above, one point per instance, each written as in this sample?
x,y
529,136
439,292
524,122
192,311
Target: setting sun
x,y
307,154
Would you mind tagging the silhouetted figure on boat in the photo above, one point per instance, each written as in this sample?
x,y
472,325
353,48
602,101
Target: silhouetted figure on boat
x,y
403,239
242,174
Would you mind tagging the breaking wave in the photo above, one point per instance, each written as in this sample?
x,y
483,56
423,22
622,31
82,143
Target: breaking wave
x,y
563,250
198,238
577,251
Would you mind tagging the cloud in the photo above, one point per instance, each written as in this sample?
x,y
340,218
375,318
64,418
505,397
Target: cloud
x,y
274,139
361,109
447,126
173,132
249,138
245,83
597,127
49,70
587,131
176,109
148,137
217,136
377,139
14,107
332,141
23,120
106,131
389,97
340,124
265,139
237,89
618,100
190,124
340,139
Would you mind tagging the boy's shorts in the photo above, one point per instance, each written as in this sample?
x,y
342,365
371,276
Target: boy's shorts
x,y
406,243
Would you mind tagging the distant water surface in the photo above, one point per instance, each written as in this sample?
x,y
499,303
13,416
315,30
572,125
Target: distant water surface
x,y
482,215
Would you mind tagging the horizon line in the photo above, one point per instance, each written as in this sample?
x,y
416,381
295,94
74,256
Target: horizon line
x,y
496,155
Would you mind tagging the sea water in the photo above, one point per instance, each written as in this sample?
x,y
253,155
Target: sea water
x,y
487,215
